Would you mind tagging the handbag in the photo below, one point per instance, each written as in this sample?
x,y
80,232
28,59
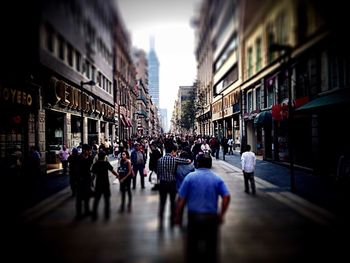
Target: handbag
x,y
145,172
153,178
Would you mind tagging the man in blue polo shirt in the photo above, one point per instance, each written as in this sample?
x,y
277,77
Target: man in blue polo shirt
x,y
200,190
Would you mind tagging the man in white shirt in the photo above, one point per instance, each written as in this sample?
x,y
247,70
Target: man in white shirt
x,y
248,161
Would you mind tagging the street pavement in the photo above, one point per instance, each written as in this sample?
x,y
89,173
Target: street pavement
x,y
275,225
324,191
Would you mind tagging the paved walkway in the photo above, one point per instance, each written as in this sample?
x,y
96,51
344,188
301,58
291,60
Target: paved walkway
x,y
323,191
273,226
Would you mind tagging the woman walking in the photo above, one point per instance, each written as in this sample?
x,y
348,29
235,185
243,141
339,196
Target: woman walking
x,y
125,176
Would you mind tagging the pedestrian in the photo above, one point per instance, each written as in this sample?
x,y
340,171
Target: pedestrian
x,y
125,177
138,161
182,170
73,161
155,155
248,161
230,143
102,187
64,154
200,190
167,181
84,182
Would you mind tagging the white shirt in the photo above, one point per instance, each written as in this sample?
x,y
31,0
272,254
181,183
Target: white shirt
x,y
205,147
248,161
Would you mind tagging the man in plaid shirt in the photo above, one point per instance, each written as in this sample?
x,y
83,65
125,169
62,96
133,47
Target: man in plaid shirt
x,y
167,181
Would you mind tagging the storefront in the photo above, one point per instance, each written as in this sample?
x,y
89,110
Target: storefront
x,y
19,125
73,116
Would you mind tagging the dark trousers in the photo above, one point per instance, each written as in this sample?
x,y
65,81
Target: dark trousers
x,y
82,197
64,166
125,187
249,178
106,196
217,152
166,188
138,168
202,238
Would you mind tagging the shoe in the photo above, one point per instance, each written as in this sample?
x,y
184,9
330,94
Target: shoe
x,y
247,191
129,208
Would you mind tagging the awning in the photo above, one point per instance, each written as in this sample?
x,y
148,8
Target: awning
x,y
126,121
264,118
129,122
123,121
326,101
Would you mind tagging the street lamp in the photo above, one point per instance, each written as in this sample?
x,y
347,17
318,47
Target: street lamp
x,y
82,83
287,49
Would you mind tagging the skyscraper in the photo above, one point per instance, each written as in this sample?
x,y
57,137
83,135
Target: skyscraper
x,y
164,119
153,74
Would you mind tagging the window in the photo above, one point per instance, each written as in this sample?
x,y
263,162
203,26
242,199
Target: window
x,y
250,62
338,71
99,76
232,45
269,99
61,48
283,86
258,98
249,101
77,61
93,73
258,53
70,55
270,40
87,69
49,39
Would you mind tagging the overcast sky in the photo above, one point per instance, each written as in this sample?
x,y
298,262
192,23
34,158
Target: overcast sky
x,y
169,22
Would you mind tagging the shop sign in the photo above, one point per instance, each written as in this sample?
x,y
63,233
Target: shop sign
x,y
16,96
67,96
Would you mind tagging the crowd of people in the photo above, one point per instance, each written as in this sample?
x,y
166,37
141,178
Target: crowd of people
x,y
178,167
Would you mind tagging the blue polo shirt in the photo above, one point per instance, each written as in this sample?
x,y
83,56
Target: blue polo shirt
x,y
202,189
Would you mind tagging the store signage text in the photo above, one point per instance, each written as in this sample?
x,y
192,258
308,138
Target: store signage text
x,y
73,98
16,96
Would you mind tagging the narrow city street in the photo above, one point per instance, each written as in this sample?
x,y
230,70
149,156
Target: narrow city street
x,y
273,226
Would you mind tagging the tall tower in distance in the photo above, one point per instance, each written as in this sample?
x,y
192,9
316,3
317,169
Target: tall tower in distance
x,y
153,73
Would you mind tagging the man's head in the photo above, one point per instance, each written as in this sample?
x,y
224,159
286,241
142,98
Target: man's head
x,y
75,151
86,147
203,160
171,148
248,147
101,155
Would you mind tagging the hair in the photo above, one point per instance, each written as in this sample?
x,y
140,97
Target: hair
x,y
86,147
203,160
248,147
126,154
101,155
171,147
185,155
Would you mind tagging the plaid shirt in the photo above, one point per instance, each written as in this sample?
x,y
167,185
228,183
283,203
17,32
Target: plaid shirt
x,y
167,167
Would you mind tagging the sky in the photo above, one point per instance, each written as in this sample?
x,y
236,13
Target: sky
x,y
169,21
